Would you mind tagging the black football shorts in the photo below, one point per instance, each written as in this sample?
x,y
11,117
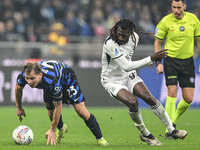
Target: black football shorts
x,y
179,70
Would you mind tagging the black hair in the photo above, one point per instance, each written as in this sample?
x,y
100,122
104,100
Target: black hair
x,y
32,66
125,24
179,0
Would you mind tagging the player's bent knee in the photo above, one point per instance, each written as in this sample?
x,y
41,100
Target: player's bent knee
x,y
172,92
84,116
133,106
188,100
82,111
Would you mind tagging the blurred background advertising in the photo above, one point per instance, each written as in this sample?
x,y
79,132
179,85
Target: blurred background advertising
x,y
73,31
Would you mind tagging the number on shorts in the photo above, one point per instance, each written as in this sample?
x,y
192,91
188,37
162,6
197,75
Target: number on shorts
x,y
71,91
132,75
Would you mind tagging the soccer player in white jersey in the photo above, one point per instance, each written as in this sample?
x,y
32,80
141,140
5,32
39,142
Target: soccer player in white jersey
x,y
120,79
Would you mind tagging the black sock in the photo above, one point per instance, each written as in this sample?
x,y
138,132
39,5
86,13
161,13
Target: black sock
x,y
60,123
94,126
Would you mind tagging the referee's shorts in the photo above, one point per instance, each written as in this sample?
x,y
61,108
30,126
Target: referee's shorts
x,y
179,70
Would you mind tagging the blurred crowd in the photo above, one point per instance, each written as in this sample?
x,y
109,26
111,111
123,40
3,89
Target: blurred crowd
x,y
57,20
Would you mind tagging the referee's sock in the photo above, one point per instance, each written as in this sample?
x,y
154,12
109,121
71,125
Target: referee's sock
x,y
181,108
170,107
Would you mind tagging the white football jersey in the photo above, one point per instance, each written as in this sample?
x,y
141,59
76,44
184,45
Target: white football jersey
x,y
111,51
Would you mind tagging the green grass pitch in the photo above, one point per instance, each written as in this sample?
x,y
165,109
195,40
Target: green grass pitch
x,y
115,123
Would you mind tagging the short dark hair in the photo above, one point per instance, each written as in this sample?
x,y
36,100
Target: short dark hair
x,y
179,0
32,66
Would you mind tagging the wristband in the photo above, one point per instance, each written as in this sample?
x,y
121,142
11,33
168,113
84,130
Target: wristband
x,y
158,62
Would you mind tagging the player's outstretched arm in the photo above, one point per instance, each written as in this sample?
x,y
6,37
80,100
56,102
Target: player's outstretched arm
x,y
18,99
51,133
132,65
157,56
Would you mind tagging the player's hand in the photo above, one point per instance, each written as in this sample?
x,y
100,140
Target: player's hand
x,y
51,136
159,55
20,113
159,69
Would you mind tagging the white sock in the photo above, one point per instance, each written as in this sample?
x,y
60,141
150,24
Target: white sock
x,y
138,121
160,112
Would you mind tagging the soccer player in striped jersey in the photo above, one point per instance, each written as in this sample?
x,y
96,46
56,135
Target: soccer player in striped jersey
x,y
180,28
60,85
121,81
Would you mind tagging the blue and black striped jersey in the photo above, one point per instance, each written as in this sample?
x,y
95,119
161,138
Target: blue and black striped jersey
x,y
56,75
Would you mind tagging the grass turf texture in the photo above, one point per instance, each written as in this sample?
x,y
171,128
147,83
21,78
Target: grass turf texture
x,y
116,125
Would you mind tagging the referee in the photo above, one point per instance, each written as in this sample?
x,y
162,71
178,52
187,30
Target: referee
x,y
179,29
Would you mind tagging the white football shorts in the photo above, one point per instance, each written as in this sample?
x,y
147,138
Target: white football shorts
x,y
127,83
